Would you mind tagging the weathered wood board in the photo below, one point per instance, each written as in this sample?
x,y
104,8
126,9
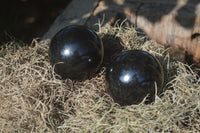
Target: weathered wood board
x,y
173,23
77,12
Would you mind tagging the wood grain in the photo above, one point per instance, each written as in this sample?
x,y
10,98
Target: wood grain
x,y
173,23
77,12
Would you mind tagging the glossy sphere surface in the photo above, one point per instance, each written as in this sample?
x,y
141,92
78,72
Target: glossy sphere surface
x,y
132,76
76,52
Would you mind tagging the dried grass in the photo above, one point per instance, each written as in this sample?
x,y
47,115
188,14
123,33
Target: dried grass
x,y
32,99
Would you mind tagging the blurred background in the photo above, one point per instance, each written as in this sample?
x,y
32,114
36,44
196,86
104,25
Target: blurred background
x,y
27,19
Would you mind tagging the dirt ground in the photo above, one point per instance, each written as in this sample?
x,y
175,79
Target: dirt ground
x,y
28,19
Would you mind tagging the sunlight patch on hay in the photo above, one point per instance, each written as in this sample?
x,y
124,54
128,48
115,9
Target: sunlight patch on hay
x,y
33,99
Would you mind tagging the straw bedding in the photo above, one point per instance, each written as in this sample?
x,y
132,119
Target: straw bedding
x,y
34,99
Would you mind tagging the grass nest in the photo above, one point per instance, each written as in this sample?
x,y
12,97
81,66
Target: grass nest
x,y
33,99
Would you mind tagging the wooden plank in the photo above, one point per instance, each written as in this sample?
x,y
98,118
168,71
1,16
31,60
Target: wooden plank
x,y
172,24
77,12
109,10
169,22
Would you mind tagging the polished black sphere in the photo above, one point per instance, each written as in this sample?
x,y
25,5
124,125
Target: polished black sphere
x,y
132,76
76,52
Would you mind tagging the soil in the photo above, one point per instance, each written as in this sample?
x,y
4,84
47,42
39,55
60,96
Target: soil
x,y
28,19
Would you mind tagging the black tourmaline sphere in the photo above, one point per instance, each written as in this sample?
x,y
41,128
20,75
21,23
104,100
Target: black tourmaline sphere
x,y
76,52
132,76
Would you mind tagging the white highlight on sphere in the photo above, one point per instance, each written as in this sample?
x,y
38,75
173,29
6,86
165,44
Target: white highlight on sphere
x,y
66,52
126,78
